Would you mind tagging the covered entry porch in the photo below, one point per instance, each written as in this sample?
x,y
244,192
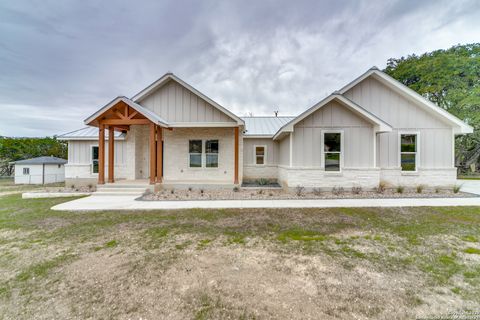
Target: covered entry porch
x,y
157,150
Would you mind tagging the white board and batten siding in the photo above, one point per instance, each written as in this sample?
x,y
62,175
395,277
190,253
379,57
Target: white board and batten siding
x,y
80,158
177,104
436,136
357,139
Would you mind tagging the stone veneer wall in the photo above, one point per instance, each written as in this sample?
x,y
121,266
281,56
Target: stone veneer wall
x,y
176,156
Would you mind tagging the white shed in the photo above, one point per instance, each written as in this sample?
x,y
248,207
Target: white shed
x,y
40,170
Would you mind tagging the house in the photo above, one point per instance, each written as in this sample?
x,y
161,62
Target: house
x,y
40,170
373,129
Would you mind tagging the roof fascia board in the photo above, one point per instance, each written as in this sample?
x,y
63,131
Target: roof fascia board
x,y
459,126
147,113
379,125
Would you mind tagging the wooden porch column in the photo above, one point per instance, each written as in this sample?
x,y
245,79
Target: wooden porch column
x,y
101,154
111,154
235,181
153,154
159,155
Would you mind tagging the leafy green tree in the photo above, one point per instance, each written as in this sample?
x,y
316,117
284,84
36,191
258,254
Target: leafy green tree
x,y
451,79
13,149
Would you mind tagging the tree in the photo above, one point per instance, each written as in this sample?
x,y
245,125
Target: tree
x,y
451,79
13,149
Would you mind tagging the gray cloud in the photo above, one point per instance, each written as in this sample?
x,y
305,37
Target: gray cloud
x,y
60,61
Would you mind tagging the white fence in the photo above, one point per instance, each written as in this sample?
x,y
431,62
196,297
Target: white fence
x,y
39,178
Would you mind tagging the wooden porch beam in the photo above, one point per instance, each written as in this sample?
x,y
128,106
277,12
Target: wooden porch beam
x,y
134,113
124,121
153,153
111,154
121,128
120,115
159,154
235,180
101,155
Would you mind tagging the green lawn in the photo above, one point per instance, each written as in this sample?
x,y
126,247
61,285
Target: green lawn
x,y
7,185
238,264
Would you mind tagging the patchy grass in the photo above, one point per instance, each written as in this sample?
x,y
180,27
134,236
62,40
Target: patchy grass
x,y
471,250
188,259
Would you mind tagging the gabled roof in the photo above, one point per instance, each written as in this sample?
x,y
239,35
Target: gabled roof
x,y
264,127
88,133
170,76
380,125
42,160
150,115
460,127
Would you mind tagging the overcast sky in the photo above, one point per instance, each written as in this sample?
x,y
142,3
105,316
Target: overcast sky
x,y
62,60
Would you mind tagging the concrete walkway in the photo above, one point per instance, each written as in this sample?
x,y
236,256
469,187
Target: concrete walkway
x,y
129,203
471,186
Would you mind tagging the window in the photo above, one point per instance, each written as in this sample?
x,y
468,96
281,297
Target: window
x,y
94,159
332,150
408,152
59,166
260,155
211,156
26,170
195,151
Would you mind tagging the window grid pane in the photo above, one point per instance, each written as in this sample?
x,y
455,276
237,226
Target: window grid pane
x,y
211,160
211,146
195,160
408,152
332,161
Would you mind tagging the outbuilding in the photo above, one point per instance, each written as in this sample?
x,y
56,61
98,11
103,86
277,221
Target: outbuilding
x,y
40,170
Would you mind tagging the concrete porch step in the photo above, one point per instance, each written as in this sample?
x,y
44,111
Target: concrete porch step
x,y
118,193
123,188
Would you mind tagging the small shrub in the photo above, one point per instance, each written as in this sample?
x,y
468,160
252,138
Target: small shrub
x,y
172,191
456,188
356,189
299,190
190,189
400,189
317,191
260,191
270,194
236,189
437,189
382,186
420,188
72,186
202,192
337,191
90,186
262,181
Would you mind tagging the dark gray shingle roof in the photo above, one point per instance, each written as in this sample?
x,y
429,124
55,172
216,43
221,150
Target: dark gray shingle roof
x,y
42,160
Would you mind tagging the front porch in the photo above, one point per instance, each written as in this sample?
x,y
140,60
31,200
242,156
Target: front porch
x,y
159,153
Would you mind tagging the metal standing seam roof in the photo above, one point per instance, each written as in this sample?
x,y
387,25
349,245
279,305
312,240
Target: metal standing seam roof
x,y
264,126
88,133
42,160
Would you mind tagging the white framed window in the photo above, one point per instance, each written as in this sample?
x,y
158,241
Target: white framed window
x,y
26,171
195,150
408,151
260,154
211,153
94,159
332,150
